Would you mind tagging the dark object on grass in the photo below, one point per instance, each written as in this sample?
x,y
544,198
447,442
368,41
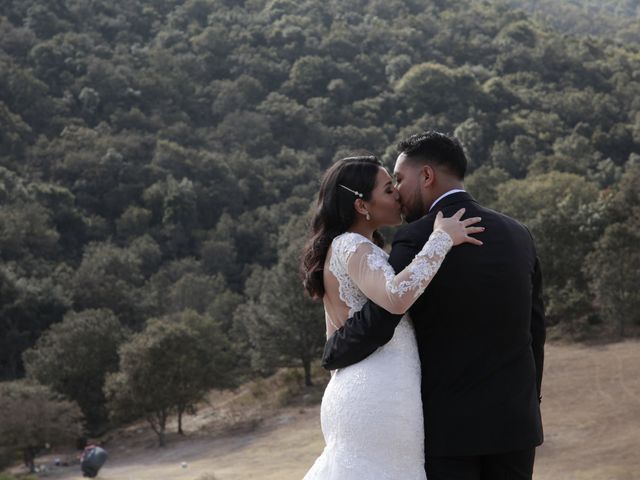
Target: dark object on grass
x,y
92,460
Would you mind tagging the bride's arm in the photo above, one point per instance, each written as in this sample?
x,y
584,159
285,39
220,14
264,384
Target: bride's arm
x,y
371,272
369,269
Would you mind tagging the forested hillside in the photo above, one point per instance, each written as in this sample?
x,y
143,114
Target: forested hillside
x,y
617,19
158,158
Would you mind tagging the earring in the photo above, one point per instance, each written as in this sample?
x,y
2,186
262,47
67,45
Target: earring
x,y
367,216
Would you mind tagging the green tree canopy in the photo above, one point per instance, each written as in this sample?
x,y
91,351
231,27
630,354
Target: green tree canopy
x,y
283,325
613,269
74,356
167,369
32,416
557,208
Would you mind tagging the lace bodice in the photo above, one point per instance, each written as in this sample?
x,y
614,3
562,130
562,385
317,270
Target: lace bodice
x,y
363,271
342,247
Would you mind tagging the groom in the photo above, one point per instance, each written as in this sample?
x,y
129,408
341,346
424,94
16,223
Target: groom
x,y
479,325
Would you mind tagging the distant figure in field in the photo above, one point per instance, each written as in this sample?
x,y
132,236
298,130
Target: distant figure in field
x,y
92,460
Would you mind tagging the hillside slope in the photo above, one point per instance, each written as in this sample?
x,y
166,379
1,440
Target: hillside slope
x,y
591,411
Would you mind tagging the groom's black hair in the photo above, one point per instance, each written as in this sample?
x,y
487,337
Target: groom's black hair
x,y
439,148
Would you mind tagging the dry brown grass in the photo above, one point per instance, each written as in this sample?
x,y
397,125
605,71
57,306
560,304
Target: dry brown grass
x,y
591,413
591,410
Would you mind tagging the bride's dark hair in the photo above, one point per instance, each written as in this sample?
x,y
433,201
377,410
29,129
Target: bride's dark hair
x,y
335,213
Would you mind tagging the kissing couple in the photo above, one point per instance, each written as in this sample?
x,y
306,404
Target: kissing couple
x,y
436,349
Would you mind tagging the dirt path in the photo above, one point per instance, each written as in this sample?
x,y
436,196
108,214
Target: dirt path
x,y
591,410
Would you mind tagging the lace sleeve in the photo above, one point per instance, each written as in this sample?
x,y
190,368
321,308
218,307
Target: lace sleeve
x,y
369,268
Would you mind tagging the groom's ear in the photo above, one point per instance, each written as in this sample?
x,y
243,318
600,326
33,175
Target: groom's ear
x,y
427,175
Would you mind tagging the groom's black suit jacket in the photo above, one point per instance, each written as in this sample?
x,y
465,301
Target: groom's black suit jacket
x,y
480,333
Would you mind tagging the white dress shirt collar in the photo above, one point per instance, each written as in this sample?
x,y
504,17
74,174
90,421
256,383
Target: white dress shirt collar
x,y
450,192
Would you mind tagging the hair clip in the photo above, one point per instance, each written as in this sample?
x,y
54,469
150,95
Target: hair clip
x,y
355,192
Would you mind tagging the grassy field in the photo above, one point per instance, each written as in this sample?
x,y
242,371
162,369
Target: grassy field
x,y
591,411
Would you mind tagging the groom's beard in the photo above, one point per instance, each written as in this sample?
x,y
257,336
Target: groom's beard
x,y
415,207
416,211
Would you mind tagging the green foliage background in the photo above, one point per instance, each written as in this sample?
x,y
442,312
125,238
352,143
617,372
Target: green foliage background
x,y
155,155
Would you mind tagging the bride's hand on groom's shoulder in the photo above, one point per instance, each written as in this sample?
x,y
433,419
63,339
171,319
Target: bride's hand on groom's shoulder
x,y
459,230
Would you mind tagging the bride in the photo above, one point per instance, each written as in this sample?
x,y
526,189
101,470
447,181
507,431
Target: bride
x,y
371,413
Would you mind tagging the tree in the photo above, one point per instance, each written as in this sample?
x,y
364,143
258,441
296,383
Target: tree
x,y
471,136
24,229
310,75
194,291
28,306
166,368
501,157
66,219
434,87
147,250
239,94
182,285
626,193
134,221
613,269
561,211
216,371
284,326
15,135
483,184
110,277
74,357
32,416
13,341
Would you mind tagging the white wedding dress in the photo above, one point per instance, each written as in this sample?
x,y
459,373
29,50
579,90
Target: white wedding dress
x,y
371,412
